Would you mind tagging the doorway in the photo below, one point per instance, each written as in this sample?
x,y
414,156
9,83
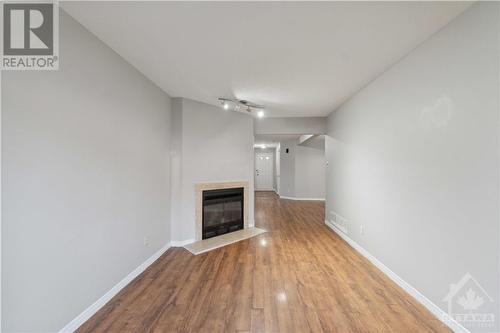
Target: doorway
x,y
264,171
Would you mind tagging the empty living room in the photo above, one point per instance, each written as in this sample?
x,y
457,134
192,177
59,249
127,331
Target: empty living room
x,y
250,166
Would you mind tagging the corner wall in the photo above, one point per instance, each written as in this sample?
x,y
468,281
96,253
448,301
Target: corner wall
x,y
287,168
309,173
414,159
85,178
215,146
302,171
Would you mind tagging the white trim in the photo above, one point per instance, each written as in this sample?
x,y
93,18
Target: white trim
x,y
182,243
433,308
301,199
91,310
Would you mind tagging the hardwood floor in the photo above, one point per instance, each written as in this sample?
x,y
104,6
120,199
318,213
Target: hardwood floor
x,y
298,277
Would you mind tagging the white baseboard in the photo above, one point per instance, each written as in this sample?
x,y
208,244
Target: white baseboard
x,y
433,308
301,199
91,310
182,243
337,227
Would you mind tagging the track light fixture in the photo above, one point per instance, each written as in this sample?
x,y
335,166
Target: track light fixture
x,y
241,103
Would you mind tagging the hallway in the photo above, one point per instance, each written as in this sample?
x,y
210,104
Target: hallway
x,y
298,277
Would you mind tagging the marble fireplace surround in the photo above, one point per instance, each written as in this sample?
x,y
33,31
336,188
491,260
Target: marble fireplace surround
x,y
199,188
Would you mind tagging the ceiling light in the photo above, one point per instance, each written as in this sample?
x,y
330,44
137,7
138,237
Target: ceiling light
x,y
263,146
260,114
240,104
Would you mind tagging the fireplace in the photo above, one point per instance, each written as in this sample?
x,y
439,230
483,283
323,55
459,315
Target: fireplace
x,y
222,211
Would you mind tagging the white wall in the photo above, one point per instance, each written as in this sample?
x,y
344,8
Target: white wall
x,y
217,146
414,157
302,171
85,171
287,168
309,173
277,174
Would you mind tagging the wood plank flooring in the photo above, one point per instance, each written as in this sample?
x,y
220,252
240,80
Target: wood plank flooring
x,y
298,277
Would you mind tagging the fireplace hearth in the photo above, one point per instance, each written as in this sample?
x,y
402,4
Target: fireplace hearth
x,y
222,211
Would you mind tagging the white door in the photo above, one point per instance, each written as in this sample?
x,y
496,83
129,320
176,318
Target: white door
x,y
264,171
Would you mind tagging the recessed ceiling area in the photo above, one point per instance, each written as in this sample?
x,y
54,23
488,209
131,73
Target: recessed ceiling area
x,y
315,141
295,58
272,141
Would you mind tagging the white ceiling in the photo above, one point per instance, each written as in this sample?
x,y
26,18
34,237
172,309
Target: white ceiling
x,y
296,58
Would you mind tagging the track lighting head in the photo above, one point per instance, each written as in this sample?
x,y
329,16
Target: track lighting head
x,y
241,103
